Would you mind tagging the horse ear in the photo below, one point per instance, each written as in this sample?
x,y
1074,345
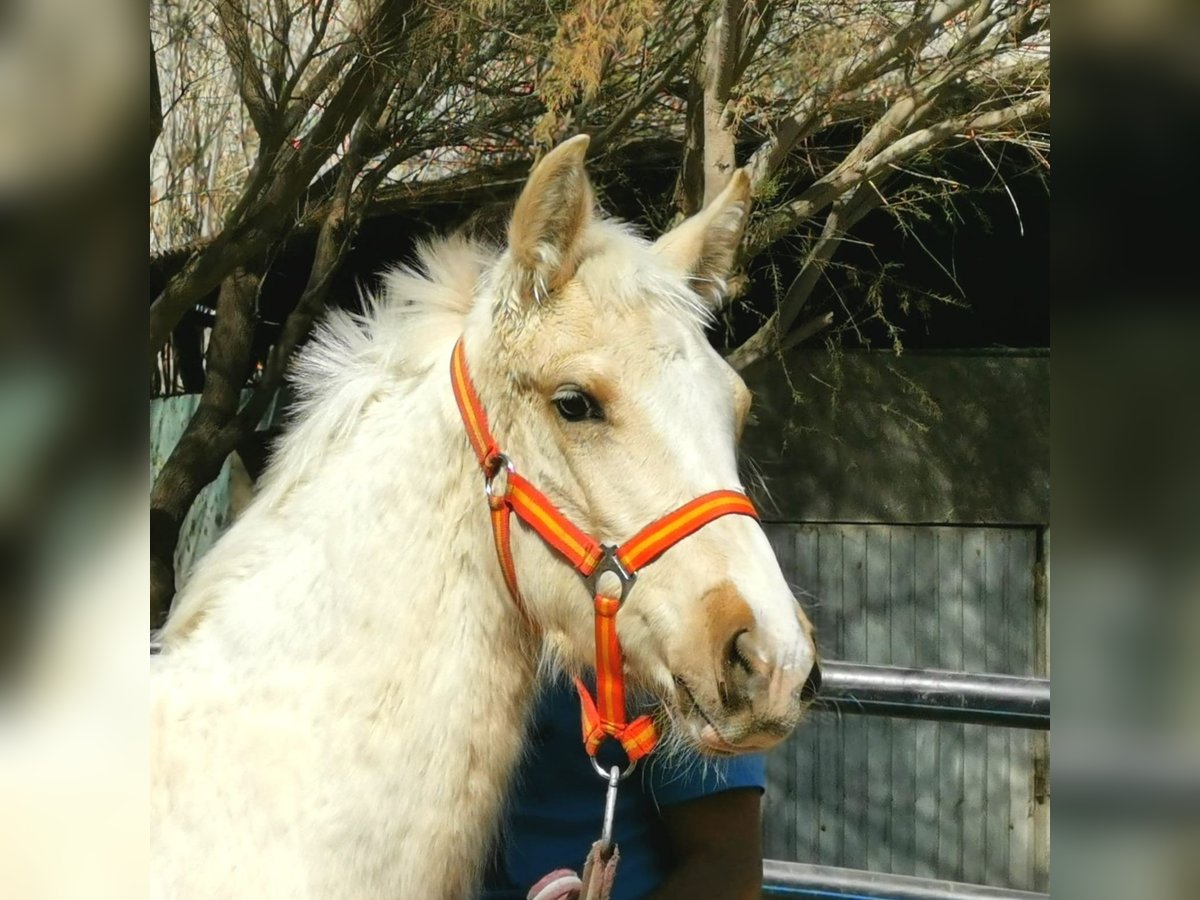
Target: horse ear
x,y
549,220
705,245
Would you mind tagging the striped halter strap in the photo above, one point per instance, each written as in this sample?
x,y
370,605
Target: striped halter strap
x,y
508,492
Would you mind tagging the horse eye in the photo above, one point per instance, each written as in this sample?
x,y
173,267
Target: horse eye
x,y
574,405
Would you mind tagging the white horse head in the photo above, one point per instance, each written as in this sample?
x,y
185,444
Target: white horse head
x,y
588,349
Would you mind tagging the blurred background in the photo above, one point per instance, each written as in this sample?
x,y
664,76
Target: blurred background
x,y
900,153
1126,574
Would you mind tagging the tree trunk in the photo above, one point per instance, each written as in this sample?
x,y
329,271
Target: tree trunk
x,y
209,437
156,112
721,54
689,186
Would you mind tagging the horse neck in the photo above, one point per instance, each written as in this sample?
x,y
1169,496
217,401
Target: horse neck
x,y
375,562
363,593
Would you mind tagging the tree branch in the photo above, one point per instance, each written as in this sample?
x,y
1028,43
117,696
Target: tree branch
x,y
631,111
772,334
201,451
813,326
219,425
689,185
722,53
844,216
751,44
848,176
1035,108
333,240
259,217
847,76
156,110
320,15
280,19
232,16
300,104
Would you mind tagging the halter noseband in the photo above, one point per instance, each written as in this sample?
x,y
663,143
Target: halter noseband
x,y
508,492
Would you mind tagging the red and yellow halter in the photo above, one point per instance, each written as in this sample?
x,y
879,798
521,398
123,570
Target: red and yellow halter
x,y
604,716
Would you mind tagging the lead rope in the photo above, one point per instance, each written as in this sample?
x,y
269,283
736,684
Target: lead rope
x,y
604,716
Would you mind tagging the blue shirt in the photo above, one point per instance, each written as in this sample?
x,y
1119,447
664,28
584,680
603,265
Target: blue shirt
x,y
557,806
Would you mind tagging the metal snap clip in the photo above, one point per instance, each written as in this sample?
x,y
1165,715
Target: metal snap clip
x,y
610,804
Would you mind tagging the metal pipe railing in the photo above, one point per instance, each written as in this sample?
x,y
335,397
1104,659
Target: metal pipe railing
x,y
792,879
1005,700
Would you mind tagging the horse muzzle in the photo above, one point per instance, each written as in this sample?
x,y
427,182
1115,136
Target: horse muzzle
x,y
755,686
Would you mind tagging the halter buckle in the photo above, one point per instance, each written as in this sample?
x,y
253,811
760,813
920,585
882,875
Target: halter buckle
x,y
610,563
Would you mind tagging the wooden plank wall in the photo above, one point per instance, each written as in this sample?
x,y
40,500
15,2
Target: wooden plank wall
x,y
905,796
875,437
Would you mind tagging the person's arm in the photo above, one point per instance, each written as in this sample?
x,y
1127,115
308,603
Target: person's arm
x,y
717,844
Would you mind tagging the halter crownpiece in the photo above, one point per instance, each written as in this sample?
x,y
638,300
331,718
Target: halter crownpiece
x,y
508,492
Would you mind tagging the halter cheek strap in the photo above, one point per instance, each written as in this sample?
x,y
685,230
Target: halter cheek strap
x,y
508,492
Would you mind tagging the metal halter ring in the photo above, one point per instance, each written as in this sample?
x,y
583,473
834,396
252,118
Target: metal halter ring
x,y
495,464
607,775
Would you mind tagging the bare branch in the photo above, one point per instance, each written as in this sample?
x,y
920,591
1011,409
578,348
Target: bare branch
x,y
842,217
750,353
722,53
332,243
812,327
257,219
156,110
299,104
689,186
630,112
281,18
1033,109
751,45
232,15
321,13
342,217
846,177
205,443
847,76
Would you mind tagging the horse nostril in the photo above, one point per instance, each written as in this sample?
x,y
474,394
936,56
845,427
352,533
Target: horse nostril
x,y
734,657
812,685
